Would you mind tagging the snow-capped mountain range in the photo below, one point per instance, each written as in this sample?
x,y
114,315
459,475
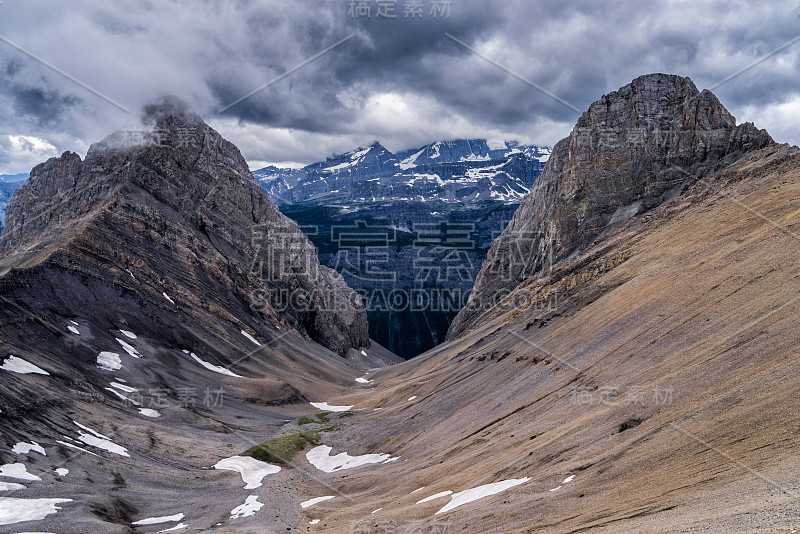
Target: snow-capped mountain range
x,y
462,170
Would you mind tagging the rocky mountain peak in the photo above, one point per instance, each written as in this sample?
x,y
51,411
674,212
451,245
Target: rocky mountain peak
x,y
176,199
632,150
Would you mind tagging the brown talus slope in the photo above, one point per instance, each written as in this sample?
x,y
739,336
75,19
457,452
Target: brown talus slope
x,y
656,361
665,379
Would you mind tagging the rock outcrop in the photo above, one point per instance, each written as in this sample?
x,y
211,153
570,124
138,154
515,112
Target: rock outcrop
x,y
171,214
633,149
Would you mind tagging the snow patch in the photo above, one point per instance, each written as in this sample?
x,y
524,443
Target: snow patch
x,y
251,338
123,397
329,408
25,448
313,522
312,502
149,412
98,440
376,511
437,496
73,330
128,334
129,349
320,458
18,510
252,470
17,470
410,161
361,380
176,527
11,486
215,368
157,520
71,446
109,361
18,365
467,496
123,387
62,471
412,398
164,294
250,507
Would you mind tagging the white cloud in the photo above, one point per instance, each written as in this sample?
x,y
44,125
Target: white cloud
x,y
399,83
398,120
19,153
779,119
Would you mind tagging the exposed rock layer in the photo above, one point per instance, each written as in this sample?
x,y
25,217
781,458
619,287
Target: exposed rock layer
x,y
175,210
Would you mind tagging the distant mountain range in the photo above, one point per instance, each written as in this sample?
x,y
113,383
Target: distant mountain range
x,y
408,230
463,170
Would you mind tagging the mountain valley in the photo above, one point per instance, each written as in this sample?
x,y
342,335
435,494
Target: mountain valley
x,y
408,231
176,355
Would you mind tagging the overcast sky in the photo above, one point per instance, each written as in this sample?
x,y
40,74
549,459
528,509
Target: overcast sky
x,y
399,80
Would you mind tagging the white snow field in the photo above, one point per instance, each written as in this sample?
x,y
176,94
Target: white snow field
x,y
215,368
252,470
157,520
251,338
324,406
250,507
437,496
320,458
18,510
18,470
312,502
16,364
95,439
25,448
129,348
467,496
109,361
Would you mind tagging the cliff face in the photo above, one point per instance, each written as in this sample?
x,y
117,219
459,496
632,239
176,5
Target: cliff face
x,y
633,149
172,211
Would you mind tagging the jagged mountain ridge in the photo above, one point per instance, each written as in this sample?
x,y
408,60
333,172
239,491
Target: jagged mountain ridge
x,y
631,151
456,171
207,209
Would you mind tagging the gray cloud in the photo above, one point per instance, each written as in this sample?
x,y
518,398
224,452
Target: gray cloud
x,y
400,81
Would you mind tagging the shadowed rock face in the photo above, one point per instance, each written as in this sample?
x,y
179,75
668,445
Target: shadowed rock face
x,y
633,149
172,209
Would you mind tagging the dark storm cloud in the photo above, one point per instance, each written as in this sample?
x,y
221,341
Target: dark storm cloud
x,y
401,80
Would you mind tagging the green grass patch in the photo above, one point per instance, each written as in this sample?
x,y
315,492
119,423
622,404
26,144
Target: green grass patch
x,y
323,417
283,449
305,421
346,414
